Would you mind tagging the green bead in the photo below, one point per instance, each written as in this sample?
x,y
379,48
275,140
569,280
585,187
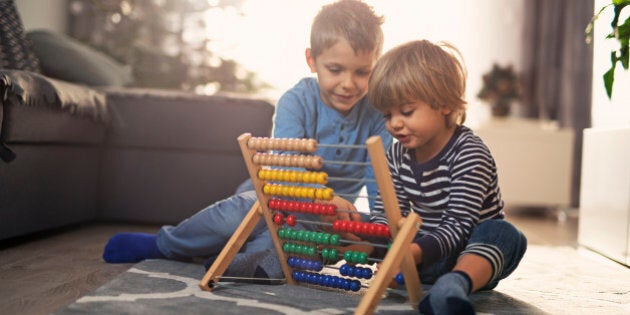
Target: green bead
x,y
334,253
300,235
325,253
286,247
282,233
334,239
362,259
325,238
348,256
311,251
293,235
313,237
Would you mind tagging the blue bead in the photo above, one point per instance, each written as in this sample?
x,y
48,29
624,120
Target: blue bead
x,y
399,278
318,266
355,285
343,270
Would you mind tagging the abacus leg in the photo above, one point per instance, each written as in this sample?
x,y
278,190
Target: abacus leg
x,y
390,265
231,248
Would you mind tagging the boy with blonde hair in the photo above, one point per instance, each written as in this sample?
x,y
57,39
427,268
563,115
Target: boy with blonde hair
x,y
443,172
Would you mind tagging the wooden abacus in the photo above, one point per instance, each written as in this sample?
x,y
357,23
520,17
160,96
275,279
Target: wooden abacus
x,y
402,230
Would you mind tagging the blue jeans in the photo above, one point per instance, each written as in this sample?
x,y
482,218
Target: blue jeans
x,y
205,233
499,233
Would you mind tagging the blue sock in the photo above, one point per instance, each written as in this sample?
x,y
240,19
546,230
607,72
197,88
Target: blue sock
x,y
131,247
449,295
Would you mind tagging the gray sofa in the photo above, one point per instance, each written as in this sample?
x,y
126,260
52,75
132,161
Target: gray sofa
x,y
74,154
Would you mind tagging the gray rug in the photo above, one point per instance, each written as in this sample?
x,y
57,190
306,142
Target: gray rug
x,y
550,280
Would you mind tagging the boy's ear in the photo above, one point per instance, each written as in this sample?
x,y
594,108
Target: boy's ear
x,y
446,111
310,60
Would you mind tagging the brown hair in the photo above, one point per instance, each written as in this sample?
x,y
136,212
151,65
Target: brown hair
x,y
421,71
352,20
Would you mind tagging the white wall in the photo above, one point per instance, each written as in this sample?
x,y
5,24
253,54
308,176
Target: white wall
x,y
616,112
49,14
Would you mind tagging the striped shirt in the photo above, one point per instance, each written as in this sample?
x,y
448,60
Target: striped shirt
x,y
452,193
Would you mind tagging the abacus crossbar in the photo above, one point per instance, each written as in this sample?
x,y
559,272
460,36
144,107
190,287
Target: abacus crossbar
x,y
402,230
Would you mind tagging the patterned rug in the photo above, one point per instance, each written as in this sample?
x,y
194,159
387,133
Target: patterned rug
x,y
550,280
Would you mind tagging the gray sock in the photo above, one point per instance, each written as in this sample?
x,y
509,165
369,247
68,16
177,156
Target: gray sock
x,y
449,295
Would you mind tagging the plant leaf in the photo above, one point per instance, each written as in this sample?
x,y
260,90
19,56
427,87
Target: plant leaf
x,y
609,79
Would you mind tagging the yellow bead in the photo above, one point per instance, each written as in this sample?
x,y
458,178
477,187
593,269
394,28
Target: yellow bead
x,y
322,178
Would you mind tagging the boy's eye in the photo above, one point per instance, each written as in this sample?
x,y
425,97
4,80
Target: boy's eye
x,y
387,116
406,113
363,73
334,69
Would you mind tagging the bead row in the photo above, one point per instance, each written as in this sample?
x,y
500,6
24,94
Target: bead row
x,y
364,228
319,238
326,280
306,264
282,144
293,176
355,271
325,193
302,207
314,162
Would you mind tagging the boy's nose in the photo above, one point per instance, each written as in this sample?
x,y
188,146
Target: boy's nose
x,y
348,81
396,122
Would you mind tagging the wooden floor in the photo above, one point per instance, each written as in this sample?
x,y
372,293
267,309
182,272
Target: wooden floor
x,y
42,273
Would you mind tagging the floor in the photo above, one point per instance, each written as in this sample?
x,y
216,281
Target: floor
x,y
45,272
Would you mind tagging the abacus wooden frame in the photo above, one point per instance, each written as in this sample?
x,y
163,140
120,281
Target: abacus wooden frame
x,y
402,230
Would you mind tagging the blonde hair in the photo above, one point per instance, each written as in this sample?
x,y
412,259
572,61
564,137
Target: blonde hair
x,y
421,71
351,20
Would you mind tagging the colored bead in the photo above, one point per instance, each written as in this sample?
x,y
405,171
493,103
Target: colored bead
x,y
291,220
334,239
399,279
278,219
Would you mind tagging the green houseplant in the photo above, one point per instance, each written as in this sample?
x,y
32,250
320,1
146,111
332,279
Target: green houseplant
x,y
620,32
500,87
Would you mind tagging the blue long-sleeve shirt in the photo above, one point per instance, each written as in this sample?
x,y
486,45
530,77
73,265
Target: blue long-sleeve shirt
x,y
301,113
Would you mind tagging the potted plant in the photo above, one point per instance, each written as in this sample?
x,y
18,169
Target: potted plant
x,y
500,88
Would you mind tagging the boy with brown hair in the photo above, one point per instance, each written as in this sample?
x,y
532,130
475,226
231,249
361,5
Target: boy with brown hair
x,y
346,40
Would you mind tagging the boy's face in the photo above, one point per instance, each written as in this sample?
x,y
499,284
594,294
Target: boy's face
x,y
342,75
419,126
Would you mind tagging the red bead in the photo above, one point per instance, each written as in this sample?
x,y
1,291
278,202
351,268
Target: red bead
x,y
365,228
283,205
294,206
331,209
336,225
278,219
380,230
387,233
291,220
317,208
371,230
308,207
343,226
271,204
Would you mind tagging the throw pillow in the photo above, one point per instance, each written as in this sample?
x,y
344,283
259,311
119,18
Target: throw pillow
x,y
65,58
15,49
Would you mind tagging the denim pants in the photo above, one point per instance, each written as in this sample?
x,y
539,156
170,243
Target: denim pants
x,y
498,233
205,233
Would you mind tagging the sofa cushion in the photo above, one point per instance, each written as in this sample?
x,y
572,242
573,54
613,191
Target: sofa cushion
x,y
15,49
39,109
65,58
